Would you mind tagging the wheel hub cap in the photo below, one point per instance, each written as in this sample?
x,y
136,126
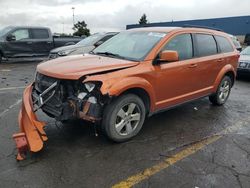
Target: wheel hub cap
x,y
128,118
224,91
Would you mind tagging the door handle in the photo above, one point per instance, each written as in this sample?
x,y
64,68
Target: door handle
x,y
192,65
49,42
220,60
29,42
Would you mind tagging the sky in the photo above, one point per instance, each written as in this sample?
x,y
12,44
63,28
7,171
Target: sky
x,y
112,15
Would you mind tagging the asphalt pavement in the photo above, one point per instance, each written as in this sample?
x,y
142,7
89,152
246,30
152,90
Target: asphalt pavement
x,y
196,145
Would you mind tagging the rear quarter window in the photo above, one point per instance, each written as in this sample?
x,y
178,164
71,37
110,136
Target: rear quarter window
x,y
40,34
224,44
205,45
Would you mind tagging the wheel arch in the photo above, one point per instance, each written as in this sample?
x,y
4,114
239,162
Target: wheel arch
x,y
142,93
135,85
231,75
228,70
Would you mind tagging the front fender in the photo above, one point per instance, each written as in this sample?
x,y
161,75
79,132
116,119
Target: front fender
x,y
223,71
119,86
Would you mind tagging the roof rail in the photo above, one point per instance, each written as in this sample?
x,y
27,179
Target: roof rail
x,y
201,26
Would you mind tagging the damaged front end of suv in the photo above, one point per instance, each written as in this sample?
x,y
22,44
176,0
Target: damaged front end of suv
x,y
68,99
60,99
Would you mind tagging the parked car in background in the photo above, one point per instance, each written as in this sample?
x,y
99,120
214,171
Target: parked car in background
x,y
244,62
236,42
247,39
30,42
135,74
84,46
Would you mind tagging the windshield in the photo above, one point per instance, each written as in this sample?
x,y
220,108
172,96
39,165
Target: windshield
x,y
91,40
130,45
246,51
5,30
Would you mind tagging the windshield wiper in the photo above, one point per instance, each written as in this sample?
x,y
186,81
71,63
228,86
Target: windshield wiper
x,y
109,54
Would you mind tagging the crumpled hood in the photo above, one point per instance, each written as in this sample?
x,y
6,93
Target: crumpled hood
x,y
76,66
245,58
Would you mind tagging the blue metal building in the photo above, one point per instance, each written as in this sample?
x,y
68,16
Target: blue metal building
x,y
234,25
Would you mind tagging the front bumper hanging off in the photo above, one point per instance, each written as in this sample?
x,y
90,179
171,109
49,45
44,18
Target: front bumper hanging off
x,y
32,135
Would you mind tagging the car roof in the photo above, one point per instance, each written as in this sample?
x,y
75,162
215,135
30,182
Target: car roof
x,y
155,29
28,27
169,29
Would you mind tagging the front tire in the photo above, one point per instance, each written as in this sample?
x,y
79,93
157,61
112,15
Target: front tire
x,y
222,93
123,118
1,57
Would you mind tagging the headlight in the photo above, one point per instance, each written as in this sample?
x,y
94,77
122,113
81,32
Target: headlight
x,y
89,86
64,53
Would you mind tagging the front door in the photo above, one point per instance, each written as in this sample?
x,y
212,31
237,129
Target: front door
x,y
42,42
176,82
20,45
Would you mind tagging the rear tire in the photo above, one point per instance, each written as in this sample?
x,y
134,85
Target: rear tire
x,y
123,118
222,93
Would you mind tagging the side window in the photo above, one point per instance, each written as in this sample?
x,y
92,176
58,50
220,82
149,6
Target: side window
x,y
224,44
247,38
106,38
40,34
205,45
182,44
21,34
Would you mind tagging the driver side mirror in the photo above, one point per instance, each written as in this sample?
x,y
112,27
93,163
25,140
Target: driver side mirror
x,y
168,56
11,38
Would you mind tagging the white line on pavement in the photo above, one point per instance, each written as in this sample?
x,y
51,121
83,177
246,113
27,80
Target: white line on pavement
x,y
11,88
10,107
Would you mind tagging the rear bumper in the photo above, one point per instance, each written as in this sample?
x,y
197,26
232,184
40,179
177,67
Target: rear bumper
x,y
31,135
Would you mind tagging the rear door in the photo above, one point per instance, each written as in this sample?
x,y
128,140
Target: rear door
x,y
209,60
226,48
21,46
42,42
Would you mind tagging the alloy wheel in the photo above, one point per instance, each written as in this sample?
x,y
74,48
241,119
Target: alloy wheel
x,y
127,119
224,91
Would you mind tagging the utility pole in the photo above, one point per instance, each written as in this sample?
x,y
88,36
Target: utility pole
x,y
63,26
73,10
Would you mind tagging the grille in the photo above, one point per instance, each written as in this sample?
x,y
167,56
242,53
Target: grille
x,y
52,107
42,82
53,55
244,65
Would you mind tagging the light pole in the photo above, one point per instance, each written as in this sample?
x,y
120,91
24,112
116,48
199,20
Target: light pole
x,y
73,9
63,26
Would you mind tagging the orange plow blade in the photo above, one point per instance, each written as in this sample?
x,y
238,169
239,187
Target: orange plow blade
x,y
32,135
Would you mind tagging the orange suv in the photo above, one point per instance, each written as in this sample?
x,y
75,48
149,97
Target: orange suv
x,y
135,74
